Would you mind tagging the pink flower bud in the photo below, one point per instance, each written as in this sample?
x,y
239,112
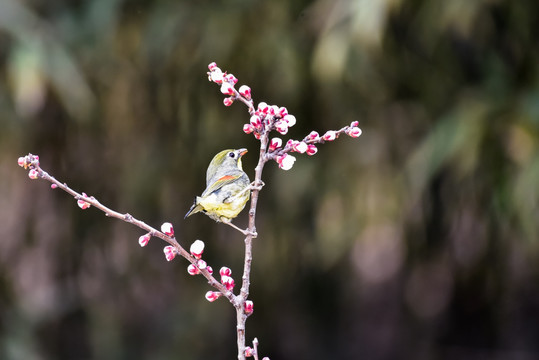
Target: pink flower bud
x,y
81,203
313,135
216,76
354,132
245,91
286,161
54,186
354,124
249,351
311,150
257,135
197,248
231,79
263,107
225,271
265,358
201,264
193,270
255,121
300,147
228,282
167,229
33,174
227,88
275,143
290,120
212,66
144,239
273,110
248,307
329,135
282,127
21,161
248,128
211,296
210,269
228,101
170,252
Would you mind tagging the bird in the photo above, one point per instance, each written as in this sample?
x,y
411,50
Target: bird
x,y
227,188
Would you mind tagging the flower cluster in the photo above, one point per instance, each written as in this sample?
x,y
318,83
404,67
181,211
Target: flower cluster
x,y
30,162
196,250
307,145
266,118
227,82
226,278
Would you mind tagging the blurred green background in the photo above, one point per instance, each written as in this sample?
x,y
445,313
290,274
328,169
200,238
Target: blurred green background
x,y
419,240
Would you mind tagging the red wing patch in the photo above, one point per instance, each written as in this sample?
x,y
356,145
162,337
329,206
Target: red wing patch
x,y
227,177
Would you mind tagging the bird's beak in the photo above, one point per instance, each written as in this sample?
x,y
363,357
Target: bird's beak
x,y
242,151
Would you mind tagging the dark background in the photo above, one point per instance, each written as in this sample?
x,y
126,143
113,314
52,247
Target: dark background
x,y
419,240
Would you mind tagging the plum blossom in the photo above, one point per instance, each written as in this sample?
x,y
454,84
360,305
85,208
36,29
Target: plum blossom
x,y
81,203
255,121
193,270
167,229
248,307
330,135
313,135
228,282
299,146
216,76
354,132
311,149
248,128
211,296
227,88
275,143
144,239
197,248
290,120
225,271
170,252
286,161
245,91
33,174
282,127
231,79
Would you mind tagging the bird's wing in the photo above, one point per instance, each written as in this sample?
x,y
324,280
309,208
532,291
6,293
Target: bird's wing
x,y
219,183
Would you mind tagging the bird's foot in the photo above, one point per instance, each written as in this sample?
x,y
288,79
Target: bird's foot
x,y
252,186
245,232
256,185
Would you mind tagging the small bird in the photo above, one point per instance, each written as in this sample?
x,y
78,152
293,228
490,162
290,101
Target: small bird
x,y
227,188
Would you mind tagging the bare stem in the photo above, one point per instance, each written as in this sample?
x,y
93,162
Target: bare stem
x,y
244,292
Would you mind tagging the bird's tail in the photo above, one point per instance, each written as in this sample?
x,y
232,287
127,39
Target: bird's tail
x,y
194,208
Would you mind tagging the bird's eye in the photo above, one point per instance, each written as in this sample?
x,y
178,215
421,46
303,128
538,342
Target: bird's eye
x,y
231,154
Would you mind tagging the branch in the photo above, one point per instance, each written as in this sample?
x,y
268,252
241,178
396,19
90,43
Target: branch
x,y
31,162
